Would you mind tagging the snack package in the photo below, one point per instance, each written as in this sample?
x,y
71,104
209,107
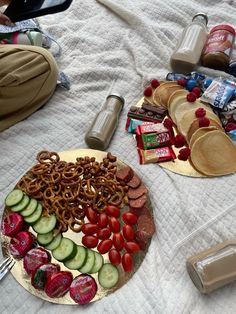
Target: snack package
x,y
232,135
152,136
155,155
218,93
228,113
131,124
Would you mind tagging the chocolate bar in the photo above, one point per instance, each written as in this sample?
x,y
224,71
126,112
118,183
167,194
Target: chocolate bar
x,y
152,136
155,155
155,109
144,115
131,124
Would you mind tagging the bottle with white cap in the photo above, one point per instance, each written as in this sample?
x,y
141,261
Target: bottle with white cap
x,y
104,124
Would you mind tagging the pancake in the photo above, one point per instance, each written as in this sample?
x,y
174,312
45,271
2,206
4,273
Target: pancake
x,y
199,132
214,154
164,91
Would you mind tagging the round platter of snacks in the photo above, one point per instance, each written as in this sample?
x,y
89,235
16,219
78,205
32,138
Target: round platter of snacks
x,y
124,201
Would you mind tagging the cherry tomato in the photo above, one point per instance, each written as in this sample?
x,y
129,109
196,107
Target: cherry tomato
x,y
129,218
89,241
89,228
128,232
118,241
91,214
113,211
114,257
127,262
114,224
102,220
104,233
131,247
104,246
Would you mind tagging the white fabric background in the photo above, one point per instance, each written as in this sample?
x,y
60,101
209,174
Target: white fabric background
x,y
124,44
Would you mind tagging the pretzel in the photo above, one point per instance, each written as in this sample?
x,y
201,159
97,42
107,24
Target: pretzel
x,y
66,188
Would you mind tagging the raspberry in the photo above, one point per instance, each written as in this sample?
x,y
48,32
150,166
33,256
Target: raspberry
x,y
148,91
182,82
191,97
200,112
203,122
230,127
179,141
168,123
184,153
155,83
196,91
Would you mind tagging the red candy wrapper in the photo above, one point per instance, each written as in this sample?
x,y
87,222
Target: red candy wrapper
x,y
156,155
152,136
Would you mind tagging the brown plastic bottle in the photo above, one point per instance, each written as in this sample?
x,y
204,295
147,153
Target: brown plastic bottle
x,y
103,126
214,267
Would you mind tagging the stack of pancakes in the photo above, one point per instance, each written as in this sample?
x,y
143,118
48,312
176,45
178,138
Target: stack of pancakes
x,y
212,151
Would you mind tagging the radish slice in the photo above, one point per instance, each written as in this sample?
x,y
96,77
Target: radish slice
x,y
21,244
34,258
58,284
83,289
12,224
41,273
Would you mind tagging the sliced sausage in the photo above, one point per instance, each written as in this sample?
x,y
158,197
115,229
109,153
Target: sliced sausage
x,y
125,174
143,211
138,203
136,193
145,227
135,182
141,240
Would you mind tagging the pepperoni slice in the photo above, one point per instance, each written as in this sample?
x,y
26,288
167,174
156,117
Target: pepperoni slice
x,y
143,211
135,182
125,174
136,193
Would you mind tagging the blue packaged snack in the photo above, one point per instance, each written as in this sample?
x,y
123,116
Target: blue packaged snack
x,y
218,94
131,124
198,77
175,77
207,82
232,135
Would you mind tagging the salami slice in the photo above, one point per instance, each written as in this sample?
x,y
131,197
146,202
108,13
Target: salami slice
x,y
138,203
34,258
135,182
136,193
58,284
143,211
125,174
146,227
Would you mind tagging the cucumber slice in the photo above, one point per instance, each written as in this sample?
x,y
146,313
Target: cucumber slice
x,y
78,260
14,197
98,262
55,242
65,251
45,239
45,224
108,276
35,216
31,207
22,205
86,268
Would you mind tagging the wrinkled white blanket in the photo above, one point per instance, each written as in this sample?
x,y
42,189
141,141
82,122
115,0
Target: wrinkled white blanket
x,y
123,44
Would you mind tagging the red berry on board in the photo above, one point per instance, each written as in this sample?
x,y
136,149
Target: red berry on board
x,y
230,127
148,91
191,97
184,153
182,82
203,122
155,83
168,123
200,112
196,91
179,140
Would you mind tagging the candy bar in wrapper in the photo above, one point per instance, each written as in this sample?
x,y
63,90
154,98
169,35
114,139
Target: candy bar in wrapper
x,y
131,124
155,155
175,76
218,94
152,136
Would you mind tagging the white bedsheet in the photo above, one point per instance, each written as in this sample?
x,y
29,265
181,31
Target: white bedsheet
x,y
123,44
